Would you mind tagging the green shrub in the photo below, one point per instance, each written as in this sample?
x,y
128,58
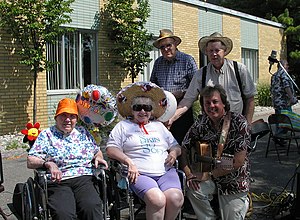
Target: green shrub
x,y
15,144
196,109
263,97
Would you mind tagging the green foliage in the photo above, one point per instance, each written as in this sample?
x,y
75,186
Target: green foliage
x,y
196,109
34,23
125,23
263,97
15,144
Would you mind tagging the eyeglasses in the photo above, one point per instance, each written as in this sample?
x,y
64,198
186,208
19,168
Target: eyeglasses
x,y
137,108
166,47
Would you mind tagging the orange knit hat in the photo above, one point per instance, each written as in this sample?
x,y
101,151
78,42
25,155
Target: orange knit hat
x,y
66,105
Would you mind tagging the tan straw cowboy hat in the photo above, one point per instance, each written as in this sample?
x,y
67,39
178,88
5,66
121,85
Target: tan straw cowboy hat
x,y
146,89
215,37
166,33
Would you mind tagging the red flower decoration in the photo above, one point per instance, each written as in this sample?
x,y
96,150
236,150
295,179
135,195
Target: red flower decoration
x,y
32,131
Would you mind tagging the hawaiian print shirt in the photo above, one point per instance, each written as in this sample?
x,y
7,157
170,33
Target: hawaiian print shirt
x,y
72,153
238,139
279,82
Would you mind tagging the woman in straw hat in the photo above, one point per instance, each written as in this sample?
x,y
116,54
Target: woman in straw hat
x,y
66,151
148,149
221,71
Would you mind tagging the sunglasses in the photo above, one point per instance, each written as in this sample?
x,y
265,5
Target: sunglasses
x,y
137,108
167,46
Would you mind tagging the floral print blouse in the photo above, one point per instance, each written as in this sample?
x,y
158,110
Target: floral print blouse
x,y
72,153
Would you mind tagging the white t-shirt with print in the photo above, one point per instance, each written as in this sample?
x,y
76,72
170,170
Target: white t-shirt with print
x,y
147,151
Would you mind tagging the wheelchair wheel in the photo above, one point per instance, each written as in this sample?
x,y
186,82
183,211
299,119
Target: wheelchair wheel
x,y
29,204
114,198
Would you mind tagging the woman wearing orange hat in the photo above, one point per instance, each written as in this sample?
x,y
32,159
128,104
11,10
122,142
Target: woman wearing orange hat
x,y
66,151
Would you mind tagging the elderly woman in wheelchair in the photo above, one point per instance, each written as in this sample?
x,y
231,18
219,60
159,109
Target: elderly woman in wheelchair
x,y
148,149
66,151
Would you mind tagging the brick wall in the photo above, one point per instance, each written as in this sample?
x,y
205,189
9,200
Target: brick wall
x,y
270,38
16,89
185,23
231,29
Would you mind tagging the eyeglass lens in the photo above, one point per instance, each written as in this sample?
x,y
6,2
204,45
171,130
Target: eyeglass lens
x,y
137,108
167,46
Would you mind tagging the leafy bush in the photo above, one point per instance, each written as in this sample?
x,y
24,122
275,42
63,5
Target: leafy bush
x,y
196,109
263,97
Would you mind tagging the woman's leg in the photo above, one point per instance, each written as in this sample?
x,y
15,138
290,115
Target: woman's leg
x,y
61,201
147,189
170,184
89,204
155,204
174,202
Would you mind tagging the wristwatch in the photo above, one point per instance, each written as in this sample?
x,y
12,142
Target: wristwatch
x,y
44,165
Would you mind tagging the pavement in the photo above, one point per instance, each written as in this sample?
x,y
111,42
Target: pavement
x,y
269,176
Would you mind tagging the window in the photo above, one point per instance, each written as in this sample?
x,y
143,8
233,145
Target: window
x,y
75,55
250,59
154,54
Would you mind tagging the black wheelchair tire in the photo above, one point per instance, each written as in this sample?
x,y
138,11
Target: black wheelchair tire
x,y
114,197
29,204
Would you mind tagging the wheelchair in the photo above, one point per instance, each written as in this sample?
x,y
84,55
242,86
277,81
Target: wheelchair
x,y
120,197
35,195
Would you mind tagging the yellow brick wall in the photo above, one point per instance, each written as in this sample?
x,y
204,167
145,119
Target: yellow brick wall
x,y
16,81
110,74
16,89
185,23
270,38
232,29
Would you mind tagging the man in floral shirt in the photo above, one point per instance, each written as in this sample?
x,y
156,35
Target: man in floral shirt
x,y
230,182
282,90
66,151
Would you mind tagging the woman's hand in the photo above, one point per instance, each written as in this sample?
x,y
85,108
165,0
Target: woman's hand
x,y
133,173
99,161
170,160
56,174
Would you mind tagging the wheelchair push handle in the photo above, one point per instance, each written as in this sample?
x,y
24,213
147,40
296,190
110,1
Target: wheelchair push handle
x,y
100,165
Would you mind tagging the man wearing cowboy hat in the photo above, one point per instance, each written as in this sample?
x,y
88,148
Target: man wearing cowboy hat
x,y
173,71
221,71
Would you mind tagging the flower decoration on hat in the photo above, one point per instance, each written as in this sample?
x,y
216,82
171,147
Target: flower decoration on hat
x,y
146,89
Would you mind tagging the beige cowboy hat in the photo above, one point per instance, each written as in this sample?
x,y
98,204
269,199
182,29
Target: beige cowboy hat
x,y
166,33
146,89
215,37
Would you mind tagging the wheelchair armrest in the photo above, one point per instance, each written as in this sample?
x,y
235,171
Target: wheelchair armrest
x,y
99,172
118,167
182,178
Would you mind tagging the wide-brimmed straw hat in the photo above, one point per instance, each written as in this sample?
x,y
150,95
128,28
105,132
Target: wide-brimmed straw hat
x,y
138,89
215,37
166,33
66,105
